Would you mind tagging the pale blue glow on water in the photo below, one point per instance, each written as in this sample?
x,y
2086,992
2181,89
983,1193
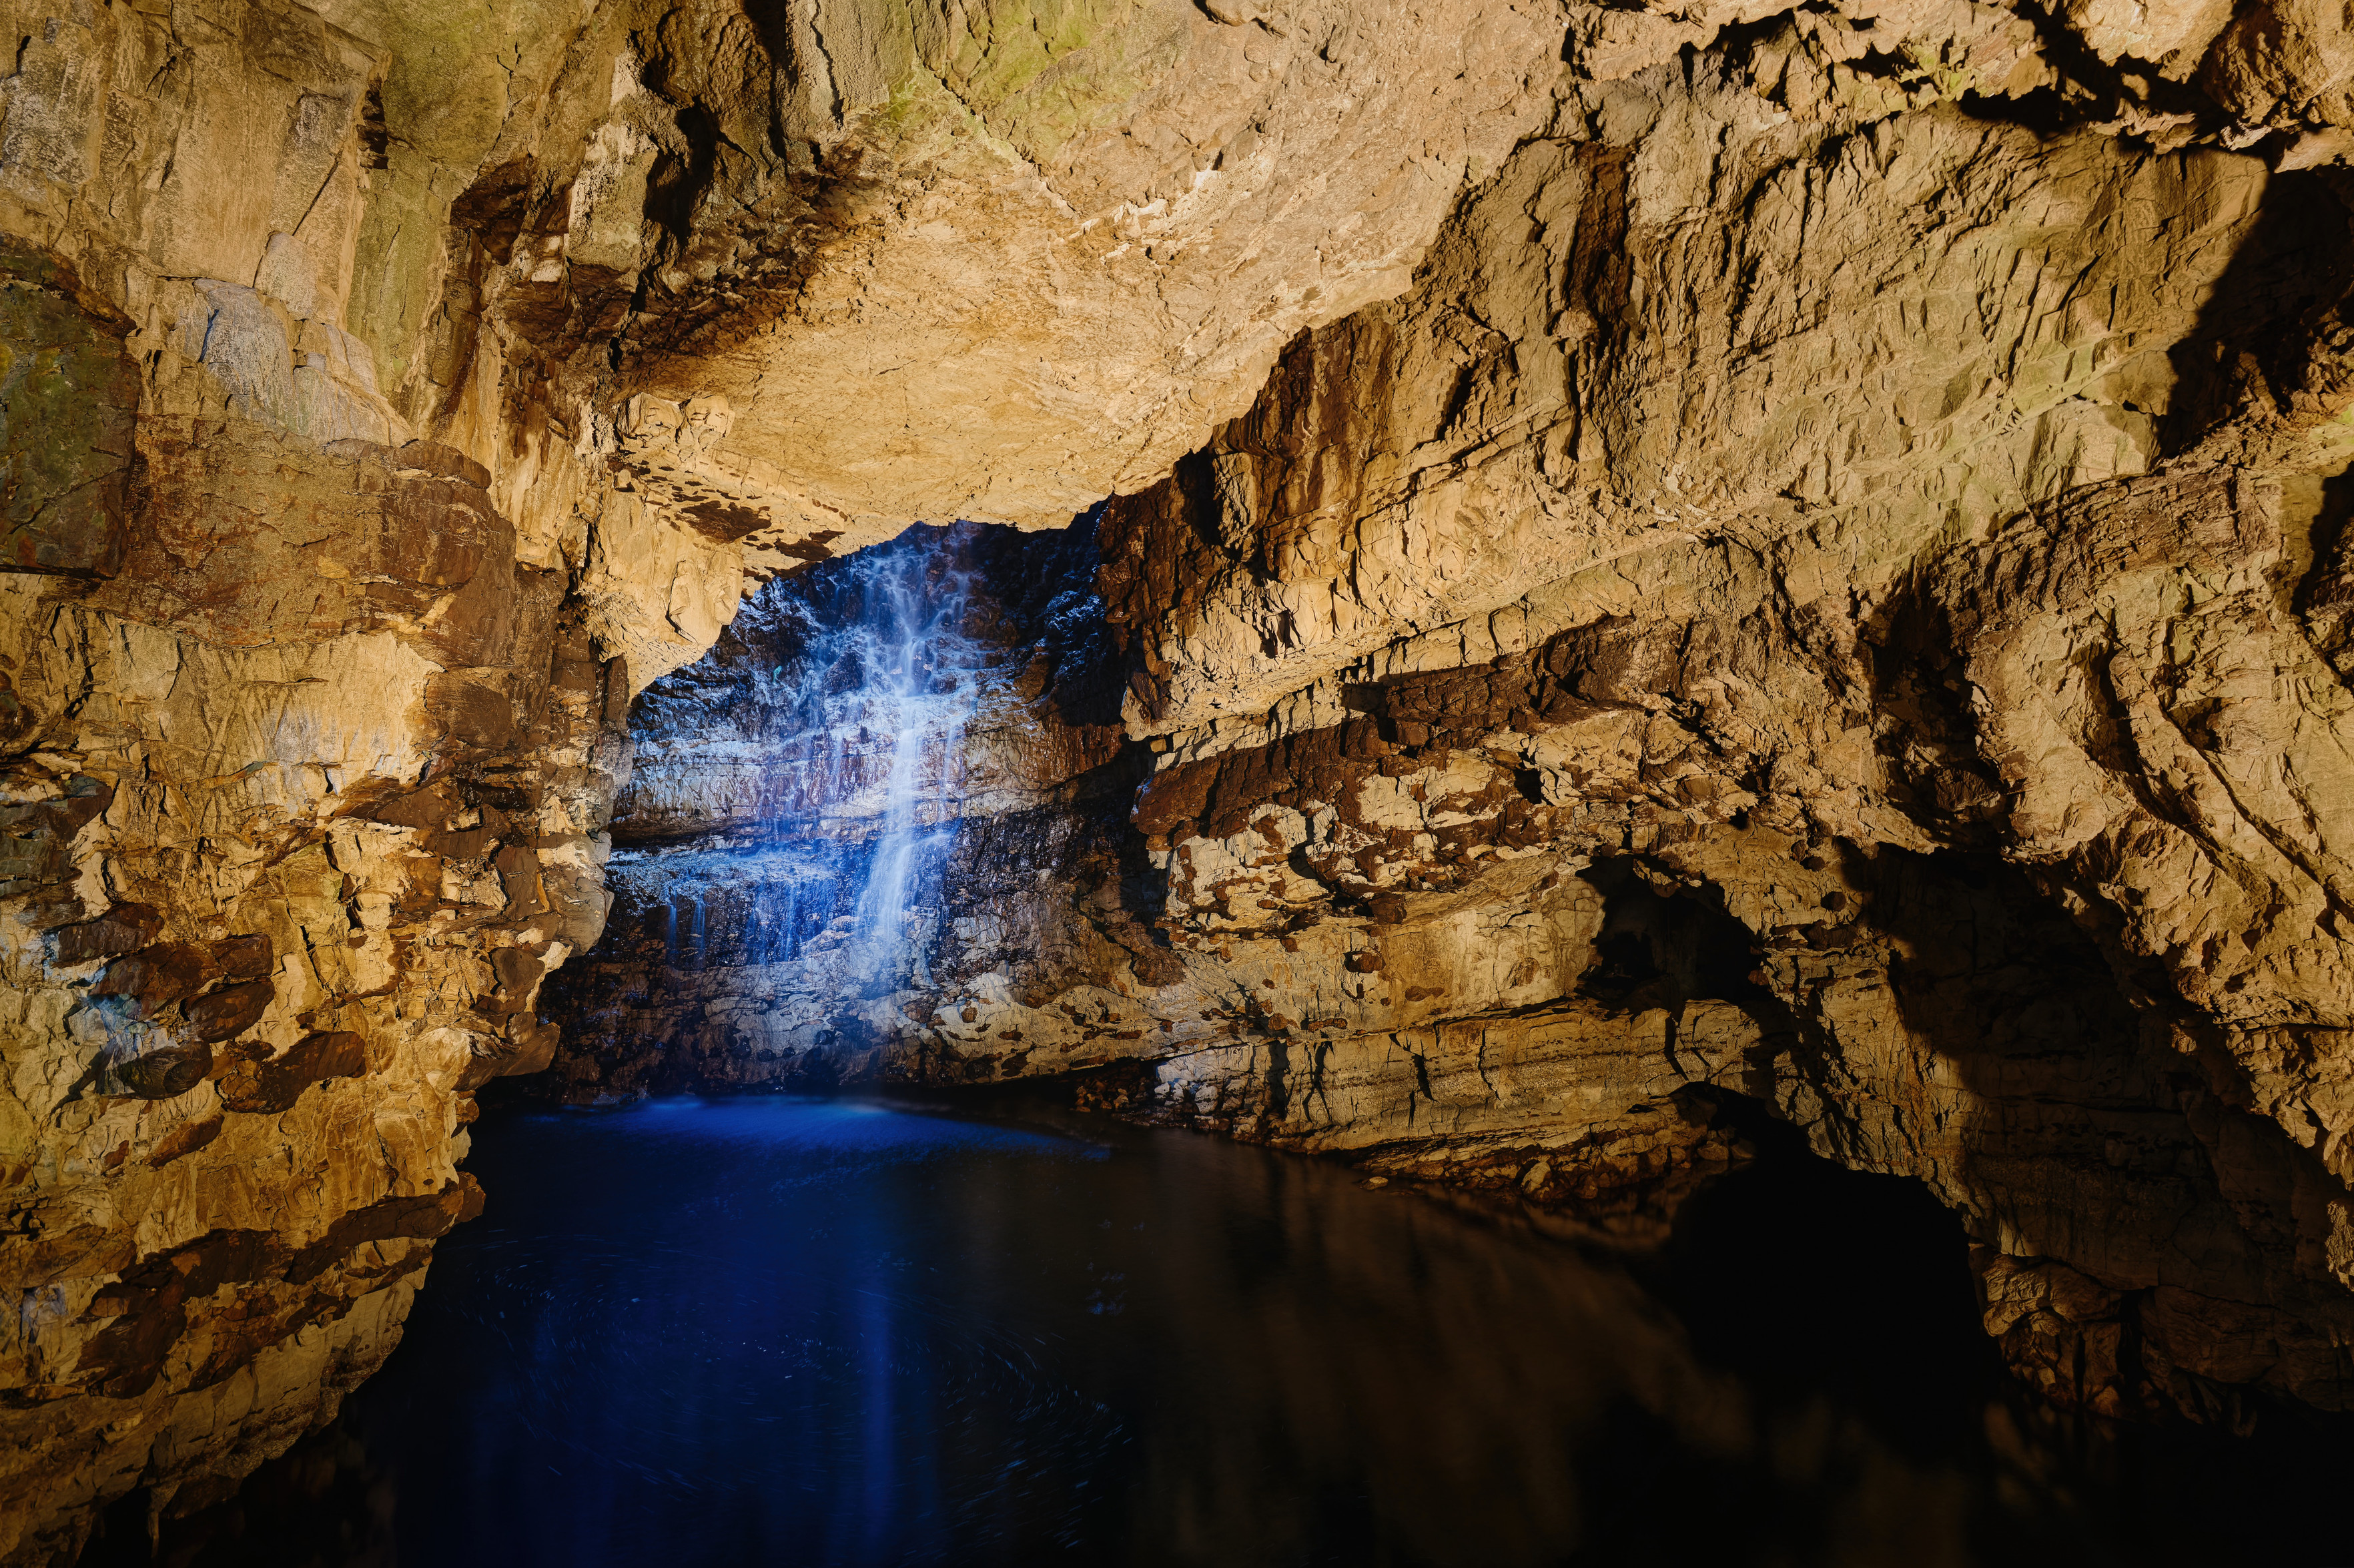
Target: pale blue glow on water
x,y
697,1333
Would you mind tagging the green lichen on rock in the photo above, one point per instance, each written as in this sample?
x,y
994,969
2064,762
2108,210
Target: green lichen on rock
x,y
1040,72
454,80
69,395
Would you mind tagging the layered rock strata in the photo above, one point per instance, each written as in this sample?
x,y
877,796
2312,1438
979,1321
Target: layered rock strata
x,y
1819,611
1641,539
366,395
753,942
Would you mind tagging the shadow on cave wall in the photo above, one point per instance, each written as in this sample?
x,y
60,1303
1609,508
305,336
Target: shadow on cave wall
x,y
2265,330
1842,1296
1661,948
2097,1128
1803,1274
2082,1132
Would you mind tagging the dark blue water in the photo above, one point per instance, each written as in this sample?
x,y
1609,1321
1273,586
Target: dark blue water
x,y
771,1331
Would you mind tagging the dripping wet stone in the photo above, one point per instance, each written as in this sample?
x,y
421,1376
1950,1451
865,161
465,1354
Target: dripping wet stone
x,y
883,775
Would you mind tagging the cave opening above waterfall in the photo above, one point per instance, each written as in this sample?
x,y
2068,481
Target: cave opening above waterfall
x,y
875,694
890,762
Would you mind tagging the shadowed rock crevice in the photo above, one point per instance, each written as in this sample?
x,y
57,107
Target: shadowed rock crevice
x,y
2273,339
1665,949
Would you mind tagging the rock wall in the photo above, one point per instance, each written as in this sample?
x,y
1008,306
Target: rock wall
x,y
1818,604
2015,553
1665,567
306,752
748,946
388,394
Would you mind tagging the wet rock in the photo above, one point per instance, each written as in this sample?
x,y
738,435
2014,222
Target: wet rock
x,y
124,928
155,977
1632,683
166,1071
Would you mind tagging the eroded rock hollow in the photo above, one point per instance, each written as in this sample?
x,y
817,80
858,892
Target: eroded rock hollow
x,y
1505,591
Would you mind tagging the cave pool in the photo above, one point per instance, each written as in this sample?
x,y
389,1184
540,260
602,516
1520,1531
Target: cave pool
x,y
846,1331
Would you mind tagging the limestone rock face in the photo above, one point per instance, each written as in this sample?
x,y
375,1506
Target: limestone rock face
x,y
848,806
1053,242
1820,603
1973,559
1663,568
1976,559
301,763
388,394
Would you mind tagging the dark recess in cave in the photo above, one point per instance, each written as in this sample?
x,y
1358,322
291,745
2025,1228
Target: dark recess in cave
x,y
1804,1276
1664,949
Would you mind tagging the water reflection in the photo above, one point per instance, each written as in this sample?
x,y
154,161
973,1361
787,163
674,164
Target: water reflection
x,y
756,1331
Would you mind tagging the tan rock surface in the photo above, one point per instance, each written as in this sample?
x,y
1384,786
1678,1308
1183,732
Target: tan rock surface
x,y
1720,501
1801,606
389,393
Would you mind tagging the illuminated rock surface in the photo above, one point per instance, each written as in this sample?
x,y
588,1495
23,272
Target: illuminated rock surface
x,y
1662,567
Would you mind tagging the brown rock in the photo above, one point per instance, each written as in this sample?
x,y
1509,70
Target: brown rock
x,y
166,1071
230,1011
274,1086
155,977
243,957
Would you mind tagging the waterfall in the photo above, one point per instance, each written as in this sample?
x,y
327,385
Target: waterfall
x,y
799,794
897,680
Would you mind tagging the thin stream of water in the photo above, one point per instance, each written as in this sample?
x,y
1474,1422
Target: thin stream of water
x,y
855,735
921,684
